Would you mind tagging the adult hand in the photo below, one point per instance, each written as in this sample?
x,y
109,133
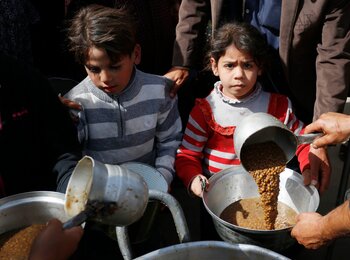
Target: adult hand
x,y
308,230
69,103
198,184
55,243
335,126
179,75
320,170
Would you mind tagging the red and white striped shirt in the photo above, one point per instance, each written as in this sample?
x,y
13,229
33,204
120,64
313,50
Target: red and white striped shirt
x,y
207,146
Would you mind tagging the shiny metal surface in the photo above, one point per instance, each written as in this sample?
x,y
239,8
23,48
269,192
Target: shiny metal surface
x,y
208,250
262,127
235,183
29,208
93,182
151,175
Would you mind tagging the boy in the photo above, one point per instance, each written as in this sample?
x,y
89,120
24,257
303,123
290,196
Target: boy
x,y
126,115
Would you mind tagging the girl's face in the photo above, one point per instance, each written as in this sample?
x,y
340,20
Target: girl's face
x,y
110,77
237,72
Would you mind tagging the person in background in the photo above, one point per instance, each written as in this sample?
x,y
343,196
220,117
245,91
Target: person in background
x,y
17,18
310,42
312,229
55,243
37,136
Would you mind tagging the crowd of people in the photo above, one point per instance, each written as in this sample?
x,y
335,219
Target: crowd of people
x,y
229,59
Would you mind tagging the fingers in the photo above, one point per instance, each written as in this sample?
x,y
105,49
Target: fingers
x,y
307,177
320,142
69,103
326,176
74,234
320,170
177,85
198,185
179,76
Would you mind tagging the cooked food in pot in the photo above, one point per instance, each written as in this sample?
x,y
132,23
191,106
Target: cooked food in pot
x,y
248,213
17,245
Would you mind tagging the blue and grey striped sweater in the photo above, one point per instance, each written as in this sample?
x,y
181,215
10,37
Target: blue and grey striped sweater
x,y
140,124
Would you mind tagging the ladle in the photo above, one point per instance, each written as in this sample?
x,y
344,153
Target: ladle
x,y
92,209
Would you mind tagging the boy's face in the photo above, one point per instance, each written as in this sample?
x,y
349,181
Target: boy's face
x,y
237,71
110,77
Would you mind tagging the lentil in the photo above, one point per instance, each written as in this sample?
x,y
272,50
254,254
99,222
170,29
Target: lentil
x,y
18,245
265,161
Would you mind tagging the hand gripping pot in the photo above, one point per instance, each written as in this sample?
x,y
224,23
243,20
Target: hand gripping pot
x,y
121,193
262,127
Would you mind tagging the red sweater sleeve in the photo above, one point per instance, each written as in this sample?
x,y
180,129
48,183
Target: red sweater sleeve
x,y
188,162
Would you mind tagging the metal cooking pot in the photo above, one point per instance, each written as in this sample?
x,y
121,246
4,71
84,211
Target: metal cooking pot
x,y
208,250
235,183
123,192
262,127
36,207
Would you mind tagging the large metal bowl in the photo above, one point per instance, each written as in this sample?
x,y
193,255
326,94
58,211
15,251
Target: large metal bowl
x,y
235,183
24,209
208,250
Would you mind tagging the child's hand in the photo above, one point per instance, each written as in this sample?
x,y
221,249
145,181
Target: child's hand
x,y
198,185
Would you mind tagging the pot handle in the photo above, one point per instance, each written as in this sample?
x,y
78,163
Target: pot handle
x,y
176,212
308,138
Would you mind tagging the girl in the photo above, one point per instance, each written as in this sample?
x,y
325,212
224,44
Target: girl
x,y
238,56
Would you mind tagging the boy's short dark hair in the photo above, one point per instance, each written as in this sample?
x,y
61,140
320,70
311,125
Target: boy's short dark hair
x,y
111,29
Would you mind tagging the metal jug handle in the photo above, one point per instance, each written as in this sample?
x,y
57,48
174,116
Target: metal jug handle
x,y
308,138
176,212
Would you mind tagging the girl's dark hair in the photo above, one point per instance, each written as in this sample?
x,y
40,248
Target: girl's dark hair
x,y
102,27
245,38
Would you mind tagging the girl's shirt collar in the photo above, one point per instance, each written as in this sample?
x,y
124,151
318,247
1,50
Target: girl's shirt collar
x,y
218,88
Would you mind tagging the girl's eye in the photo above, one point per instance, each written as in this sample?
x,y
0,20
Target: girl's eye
x,y
229,65
247,65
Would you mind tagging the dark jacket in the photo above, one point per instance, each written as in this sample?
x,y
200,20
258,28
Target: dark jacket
x,y
314,48
37,137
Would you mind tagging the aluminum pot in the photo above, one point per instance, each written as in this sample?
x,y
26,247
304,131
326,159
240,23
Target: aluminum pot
x,y
36,207
235,183
262,127
123,191
208,250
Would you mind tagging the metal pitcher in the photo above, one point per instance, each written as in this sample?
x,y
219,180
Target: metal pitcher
x,y
110,194
262,127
